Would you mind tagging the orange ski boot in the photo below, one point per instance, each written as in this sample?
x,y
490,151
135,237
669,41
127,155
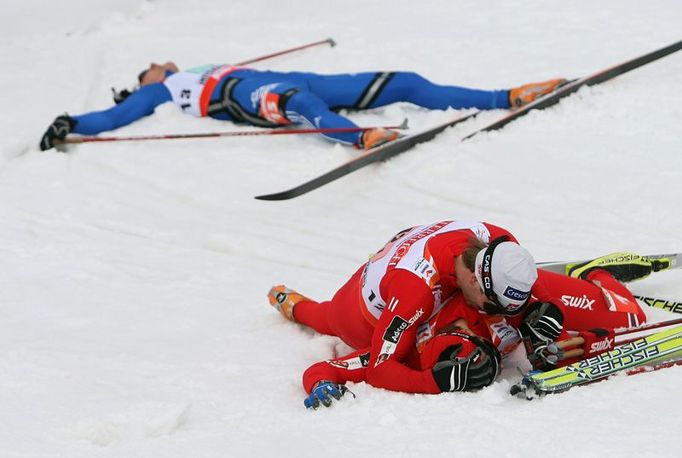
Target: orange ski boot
x,y
523,95
284,300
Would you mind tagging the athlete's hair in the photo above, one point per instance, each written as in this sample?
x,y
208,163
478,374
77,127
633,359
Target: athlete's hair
x,y
141,75
469,254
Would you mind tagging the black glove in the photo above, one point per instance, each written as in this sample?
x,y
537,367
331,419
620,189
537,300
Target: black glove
x,y
120,96
475,371
541,326
58,130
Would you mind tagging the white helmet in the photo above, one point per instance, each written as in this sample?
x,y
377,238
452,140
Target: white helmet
x,y
507,277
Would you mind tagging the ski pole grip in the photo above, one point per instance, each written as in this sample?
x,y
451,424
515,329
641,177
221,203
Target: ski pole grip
x,y
570,343
573,353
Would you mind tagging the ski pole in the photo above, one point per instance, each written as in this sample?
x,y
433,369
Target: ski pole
x,y
571,347
576,341
655,367
329,41
243,133
646,327
567,347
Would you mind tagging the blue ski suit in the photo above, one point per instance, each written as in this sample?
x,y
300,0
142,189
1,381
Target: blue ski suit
x,y
273,99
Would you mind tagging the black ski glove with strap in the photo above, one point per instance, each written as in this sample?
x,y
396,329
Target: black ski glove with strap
x,y
541,326
58,130
478,369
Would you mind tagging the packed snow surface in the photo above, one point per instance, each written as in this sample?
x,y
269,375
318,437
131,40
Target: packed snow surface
x,y
133,316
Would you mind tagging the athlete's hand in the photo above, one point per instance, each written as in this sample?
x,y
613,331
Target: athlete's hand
x,y
473,372
58,130
541,326
323,393
597,341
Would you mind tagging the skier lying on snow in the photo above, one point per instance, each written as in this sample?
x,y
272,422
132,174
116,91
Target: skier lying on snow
x,y
450,280
274,99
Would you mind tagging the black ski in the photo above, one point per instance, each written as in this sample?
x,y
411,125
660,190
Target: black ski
x,y
573,86
379,153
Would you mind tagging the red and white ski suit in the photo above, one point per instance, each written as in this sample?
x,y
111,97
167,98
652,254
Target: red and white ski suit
x,y
408,291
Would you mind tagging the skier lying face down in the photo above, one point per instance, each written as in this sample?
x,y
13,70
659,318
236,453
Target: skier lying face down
x,y
591,304
395,300
428,277
277,99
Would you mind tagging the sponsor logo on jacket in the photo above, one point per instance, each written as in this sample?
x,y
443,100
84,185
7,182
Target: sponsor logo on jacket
x,y
577,302
395,330
393,333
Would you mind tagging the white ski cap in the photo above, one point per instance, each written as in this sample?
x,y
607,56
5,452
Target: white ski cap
x,y
512,274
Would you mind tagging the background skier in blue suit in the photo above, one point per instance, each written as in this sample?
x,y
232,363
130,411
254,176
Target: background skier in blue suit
x,y
273,99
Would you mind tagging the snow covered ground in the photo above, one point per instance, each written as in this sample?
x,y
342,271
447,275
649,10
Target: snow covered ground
x,y
133,317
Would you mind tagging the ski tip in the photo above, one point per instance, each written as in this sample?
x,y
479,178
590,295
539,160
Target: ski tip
x,y
264,197
276,196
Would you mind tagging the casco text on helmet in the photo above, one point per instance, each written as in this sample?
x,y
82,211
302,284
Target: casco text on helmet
x,y
508,270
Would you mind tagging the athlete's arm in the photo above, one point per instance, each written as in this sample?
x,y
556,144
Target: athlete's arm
x,y
497,231
139,104
350,368
409,302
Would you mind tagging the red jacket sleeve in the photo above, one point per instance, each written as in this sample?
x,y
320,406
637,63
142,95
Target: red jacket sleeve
x,y
350,368
409,302
497,231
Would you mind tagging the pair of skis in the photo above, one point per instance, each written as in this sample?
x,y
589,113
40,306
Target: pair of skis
x,y
656,351
403,144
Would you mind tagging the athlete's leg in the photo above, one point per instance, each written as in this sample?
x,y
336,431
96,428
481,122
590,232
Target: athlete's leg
x,y
286,97
308,109
601,302
413,88
617,296
341,316
371,90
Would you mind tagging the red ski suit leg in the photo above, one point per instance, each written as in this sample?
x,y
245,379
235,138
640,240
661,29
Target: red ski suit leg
x,y
341,317
584,303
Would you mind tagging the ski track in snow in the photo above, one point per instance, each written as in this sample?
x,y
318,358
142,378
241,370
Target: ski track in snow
x,y
132,301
